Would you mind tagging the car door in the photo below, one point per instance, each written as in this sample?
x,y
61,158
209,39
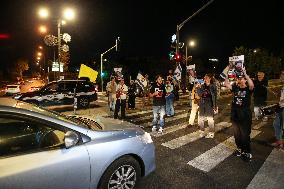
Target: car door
x,y
67,92
49,95
33,155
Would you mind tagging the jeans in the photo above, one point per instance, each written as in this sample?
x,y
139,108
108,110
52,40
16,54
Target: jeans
x,y
170,106
193,112
278,125
120,105
111,101
159,111
202,119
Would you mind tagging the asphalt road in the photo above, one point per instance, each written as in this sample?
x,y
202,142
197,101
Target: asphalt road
x,y
185,160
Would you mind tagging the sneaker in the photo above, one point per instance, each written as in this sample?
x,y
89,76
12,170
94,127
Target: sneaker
x,y
160,130
154,129
246,157
277,143
237,152
210,135
201,133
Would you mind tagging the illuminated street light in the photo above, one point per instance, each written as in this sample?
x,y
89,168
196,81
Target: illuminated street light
x,y
39,53
69,14
40,47
43,13
42,29
38,58
191,44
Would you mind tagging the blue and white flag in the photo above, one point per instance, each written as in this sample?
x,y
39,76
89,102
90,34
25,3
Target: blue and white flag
x,y
141,81
177,73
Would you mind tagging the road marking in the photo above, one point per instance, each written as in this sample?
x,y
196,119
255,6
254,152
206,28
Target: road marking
x,y
168,130
180,116
211,158
271,173
140,112
259,125
151,116
181,141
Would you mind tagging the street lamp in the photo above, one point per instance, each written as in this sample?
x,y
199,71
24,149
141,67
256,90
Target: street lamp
x,y
68,14
191,44
42,29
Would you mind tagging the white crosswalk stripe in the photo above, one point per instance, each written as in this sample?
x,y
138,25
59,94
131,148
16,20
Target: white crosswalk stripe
x,y
181,141
211,158
271,174
151,116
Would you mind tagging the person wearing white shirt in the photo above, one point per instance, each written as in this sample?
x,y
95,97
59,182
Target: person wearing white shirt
x,y
121,94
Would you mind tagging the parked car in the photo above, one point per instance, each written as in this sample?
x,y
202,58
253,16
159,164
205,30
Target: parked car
x,y
12,89
44,149
62,93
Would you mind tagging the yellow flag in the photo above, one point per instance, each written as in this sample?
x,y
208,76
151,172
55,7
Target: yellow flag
x,y
86,71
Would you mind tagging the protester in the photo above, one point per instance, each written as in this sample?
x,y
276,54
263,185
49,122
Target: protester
x,y
259,94
121,94
169,99
111,90
191,80
158,93
207,105
241,115
195,99
146,91
131,95
278,121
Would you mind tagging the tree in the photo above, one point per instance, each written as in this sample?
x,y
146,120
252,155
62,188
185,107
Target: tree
x,y
259,60
21,66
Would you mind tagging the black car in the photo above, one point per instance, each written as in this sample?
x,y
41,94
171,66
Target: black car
x,y
62,93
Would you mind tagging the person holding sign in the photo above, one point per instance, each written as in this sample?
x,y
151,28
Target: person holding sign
x,y
241,114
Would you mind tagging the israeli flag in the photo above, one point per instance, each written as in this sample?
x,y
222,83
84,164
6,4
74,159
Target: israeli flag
x,y
177,73
141,81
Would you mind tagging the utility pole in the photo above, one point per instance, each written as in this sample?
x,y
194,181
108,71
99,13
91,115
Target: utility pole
x,y
59,44
179,26
102,58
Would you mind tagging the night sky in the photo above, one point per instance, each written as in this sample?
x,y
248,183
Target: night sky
x,y
145,27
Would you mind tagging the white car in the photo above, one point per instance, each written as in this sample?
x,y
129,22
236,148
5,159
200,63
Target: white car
x,y
12,89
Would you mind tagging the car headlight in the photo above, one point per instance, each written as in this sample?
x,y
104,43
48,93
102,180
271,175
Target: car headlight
x,y
147,138
17,97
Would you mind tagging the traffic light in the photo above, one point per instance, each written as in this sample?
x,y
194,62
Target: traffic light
x,y
172,55
177,57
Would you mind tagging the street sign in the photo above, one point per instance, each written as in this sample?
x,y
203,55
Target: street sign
x,y
55,67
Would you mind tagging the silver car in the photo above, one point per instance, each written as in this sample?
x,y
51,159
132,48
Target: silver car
x,y
43,149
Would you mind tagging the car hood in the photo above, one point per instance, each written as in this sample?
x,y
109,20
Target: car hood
x,y
108,124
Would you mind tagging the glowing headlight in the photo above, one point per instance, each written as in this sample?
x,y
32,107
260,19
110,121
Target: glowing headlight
x,y
147,138
17,97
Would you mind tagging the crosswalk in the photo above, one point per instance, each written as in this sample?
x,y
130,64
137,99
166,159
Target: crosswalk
x,y
208,160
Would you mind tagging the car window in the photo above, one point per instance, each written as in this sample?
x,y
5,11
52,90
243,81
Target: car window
x,y
69,86
18,135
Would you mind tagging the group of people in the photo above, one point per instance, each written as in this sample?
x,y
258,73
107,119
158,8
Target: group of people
x,y
203,102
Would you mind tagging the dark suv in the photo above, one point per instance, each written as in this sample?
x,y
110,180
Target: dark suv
x,y
62,93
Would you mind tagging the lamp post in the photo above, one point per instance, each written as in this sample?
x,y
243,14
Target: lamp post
x,y
102,59
179,26
68,14
59,44
191,44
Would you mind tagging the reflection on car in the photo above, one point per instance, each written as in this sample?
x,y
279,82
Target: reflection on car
x,y
43,149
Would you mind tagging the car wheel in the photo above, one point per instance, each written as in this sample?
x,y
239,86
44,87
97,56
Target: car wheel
x,y
83,102
123,173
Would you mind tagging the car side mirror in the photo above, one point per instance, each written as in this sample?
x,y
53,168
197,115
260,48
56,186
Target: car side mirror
x,y
71,139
